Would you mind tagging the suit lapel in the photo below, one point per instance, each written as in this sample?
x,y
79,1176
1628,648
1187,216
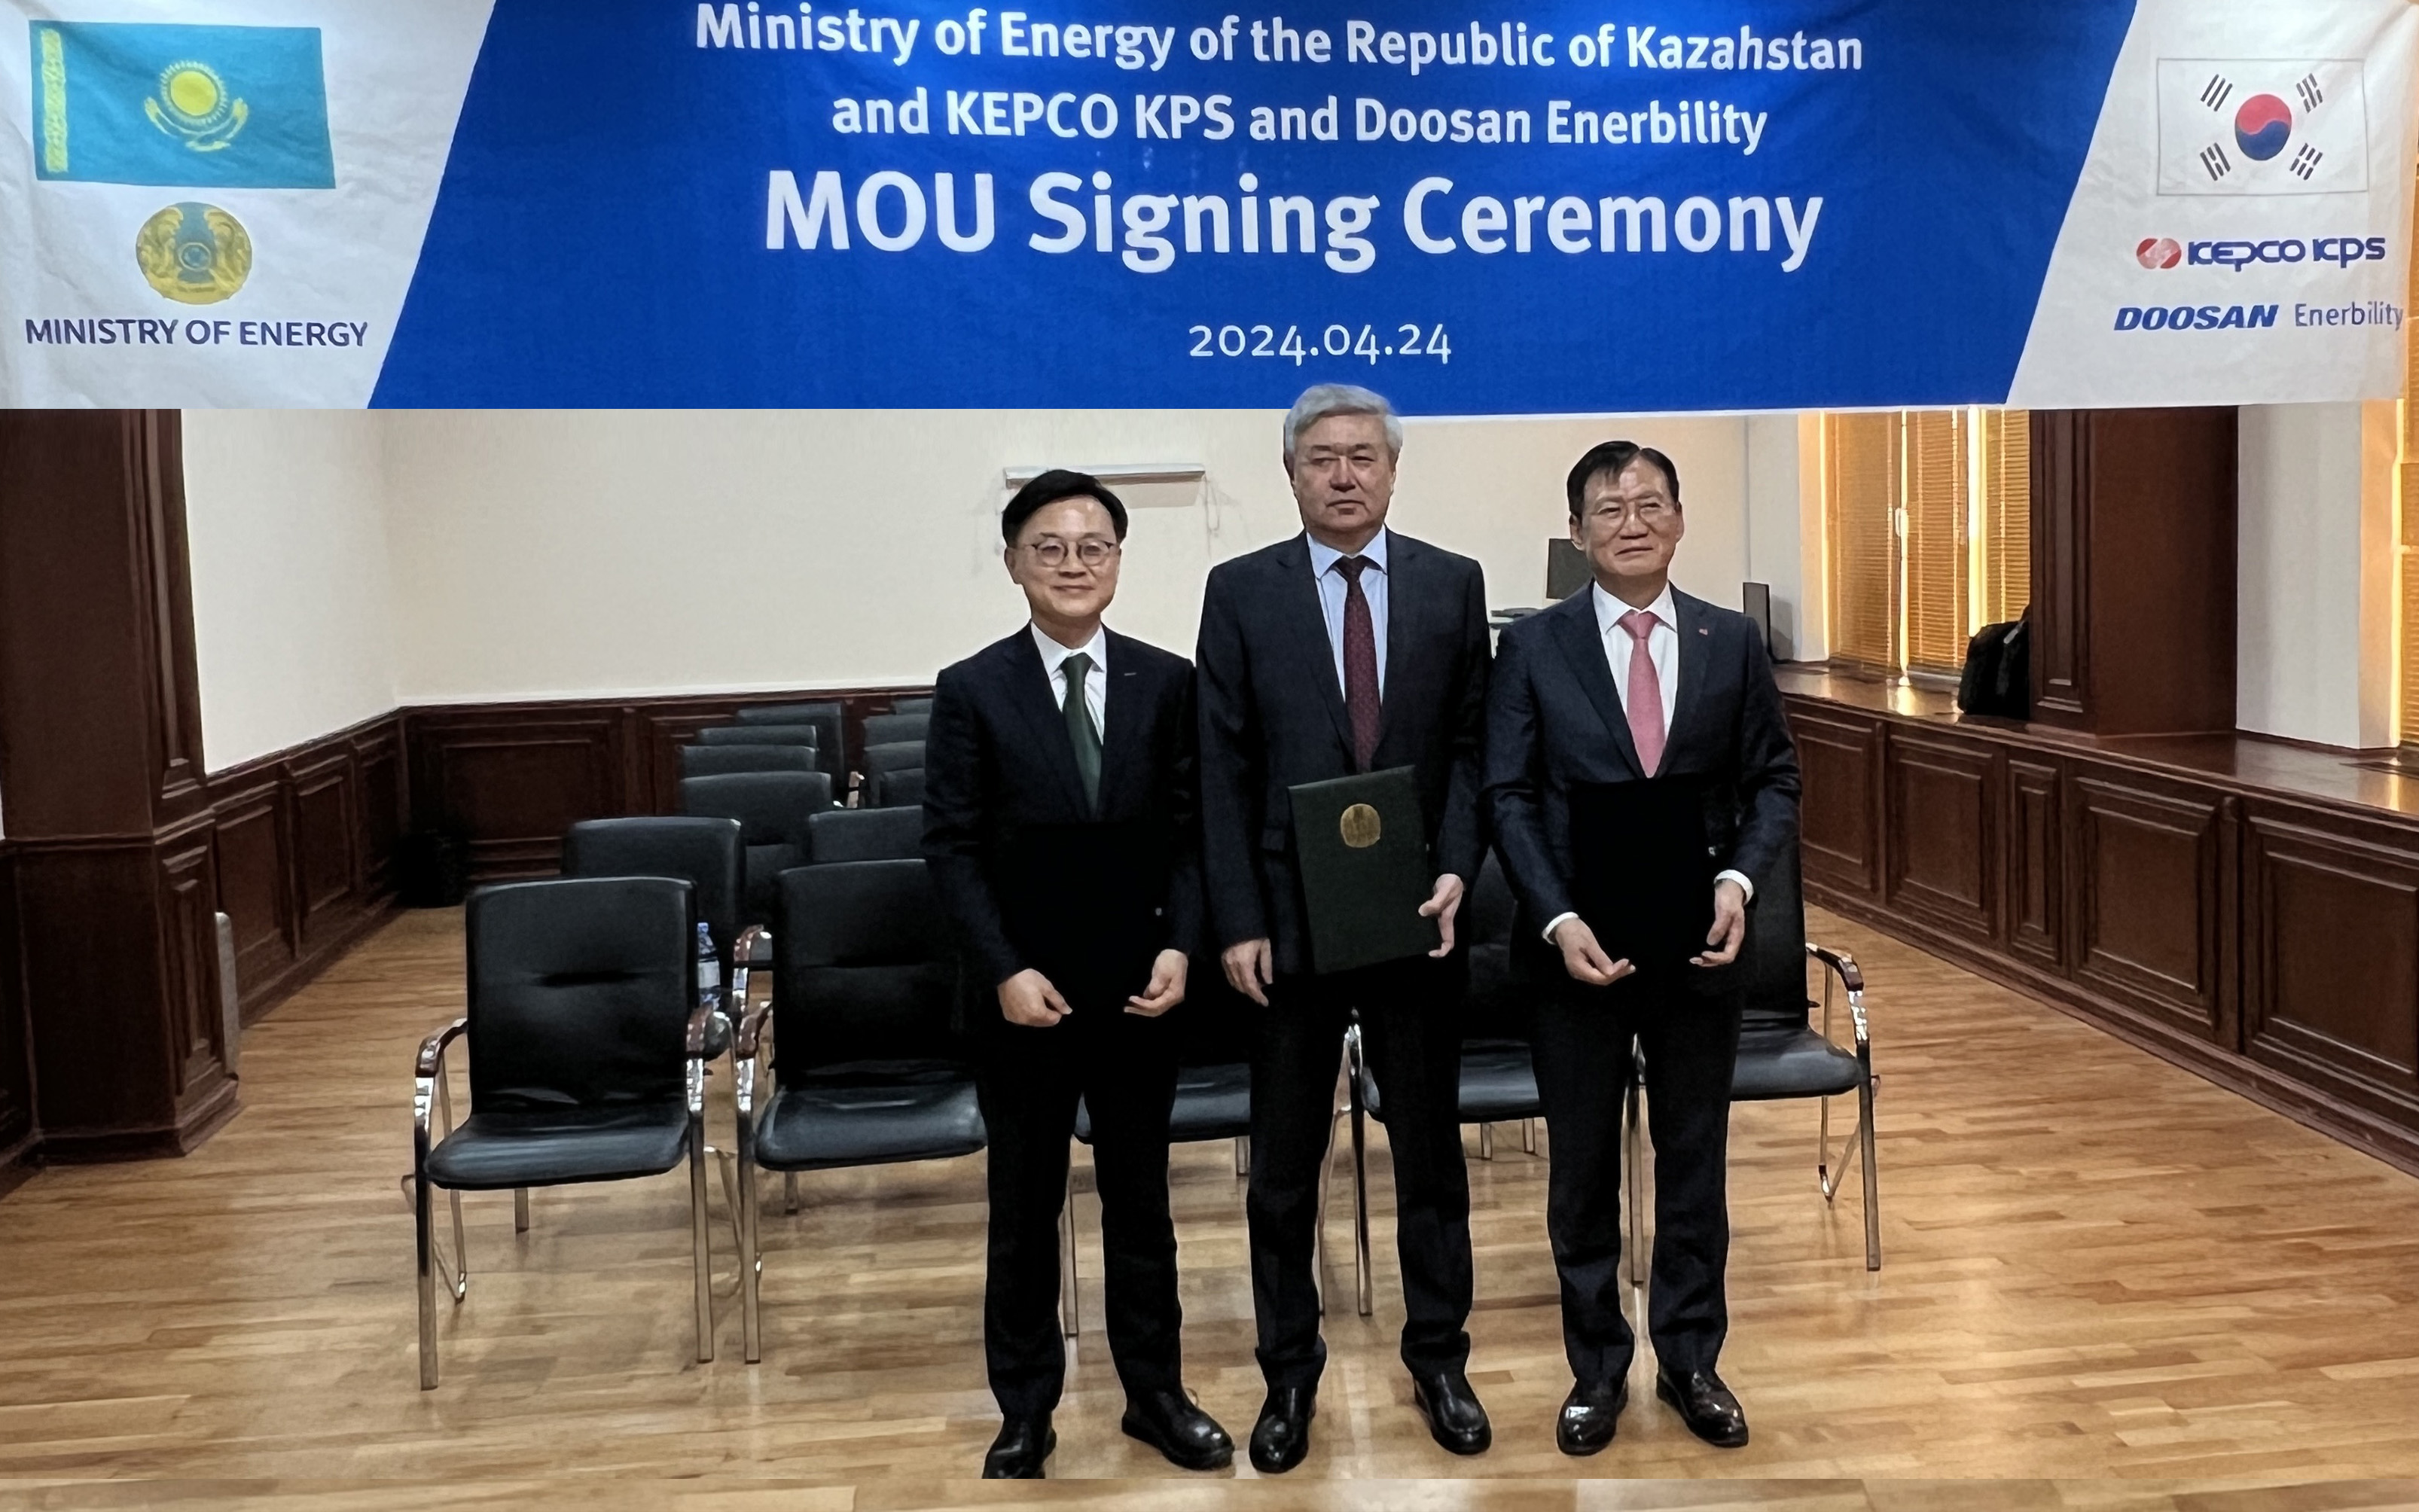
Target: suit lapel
x,y
1583,647
1121,742
1029,690
1300,607
1695,630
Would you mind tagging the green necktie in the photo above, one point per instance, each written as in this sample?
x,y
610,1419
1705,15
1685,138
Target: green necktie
x,y
1079,728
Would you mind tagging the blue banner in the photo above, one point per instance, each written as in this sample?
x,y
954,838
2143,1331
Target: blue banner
x,y
1553,208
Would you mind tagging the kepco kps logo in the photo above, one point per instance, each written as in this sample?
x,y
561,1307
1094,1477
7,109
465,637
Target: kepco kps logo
x,y
2340,251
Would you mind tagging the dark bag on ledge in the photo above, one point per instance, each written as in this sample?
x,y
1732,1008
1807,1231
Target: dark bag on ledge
x,y
1999,674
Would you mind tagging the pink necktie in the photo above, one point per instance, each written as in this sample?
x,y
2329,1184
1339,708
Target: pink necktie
x,y
1645,701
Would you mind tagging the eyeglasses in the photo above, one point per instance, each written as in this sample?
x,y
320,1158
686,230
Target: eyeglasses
x,y
1650,513
1091,551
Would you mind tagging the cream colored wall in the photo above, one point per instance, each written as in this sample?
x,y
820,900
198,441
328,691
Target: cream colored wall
x,y
573,553
293,628
2314,611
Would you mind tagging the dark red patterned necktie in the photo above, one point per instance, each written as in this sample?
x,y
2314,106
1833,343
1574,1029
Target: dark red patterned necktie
x,y
1360,663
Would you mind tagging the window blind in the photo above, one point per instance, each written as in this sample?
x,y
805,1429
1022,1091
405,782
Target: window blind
x,y
1937,496
2006,546
1861,489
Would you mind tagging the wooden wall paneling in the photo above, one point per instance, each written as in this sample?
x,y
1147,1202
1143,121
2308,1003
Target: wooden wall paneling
x,y
1840,763
189,950
2061,444
326,864
509,781
1940,817
17,1131
255,882
2034,876
2144,880
2330,988
378,757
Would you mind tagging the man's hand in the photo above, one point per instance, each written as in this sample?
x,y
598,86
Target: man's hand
x,y
1583,958
1251,966
1441,905
1028,999
1730,926
1166,988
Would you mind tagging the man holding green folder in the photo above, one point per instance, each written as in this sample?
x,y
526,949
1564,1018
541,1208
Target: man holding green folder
x,y
1347,652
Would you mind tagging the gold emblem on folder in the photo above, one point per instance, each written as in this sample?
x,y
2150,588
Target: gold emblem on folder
x,y
1360,826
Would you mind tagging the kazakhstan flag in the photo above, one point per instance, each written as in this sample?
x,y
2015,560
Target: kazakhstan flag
x,y
212,107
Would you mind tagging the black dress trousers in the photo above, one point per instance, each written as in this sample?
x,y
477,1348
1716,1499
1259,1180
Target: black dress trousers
x,y
1123,1066
1686,1021
1411,1033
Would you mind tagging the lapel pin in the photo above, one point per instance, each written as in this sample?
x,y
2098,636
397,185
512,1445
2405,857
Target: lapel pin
x,y
1702,630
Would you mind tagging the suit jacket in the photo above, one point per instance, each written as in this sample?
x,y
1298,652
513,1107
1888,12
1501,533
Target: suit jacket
x,y
1272,716
1028,876
1554,720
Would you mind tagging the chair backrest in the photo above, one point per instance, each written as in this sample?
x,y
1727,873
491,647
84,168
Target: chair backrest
x,y
889,729
761,735
772,809
900,789
865,835
1499,1004
1774,957
862,973
892,756
704,853
718,760
581,992
825,715
913,705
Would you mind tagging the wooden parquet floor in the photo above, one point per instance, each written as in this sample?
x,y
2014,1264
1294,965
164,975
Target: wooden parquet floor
x,y
2108,1285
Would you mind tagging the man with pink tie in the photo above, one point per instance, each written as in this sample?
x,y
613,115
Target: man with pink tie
x,y
1625,683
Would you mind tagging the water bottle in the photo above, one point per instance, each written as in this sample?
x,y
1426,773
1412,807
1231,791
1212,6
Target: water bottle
x,y
709,970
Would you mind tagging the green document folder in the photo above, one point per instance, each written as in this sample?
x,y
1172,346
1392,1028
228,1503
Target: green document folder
x,y
1362,846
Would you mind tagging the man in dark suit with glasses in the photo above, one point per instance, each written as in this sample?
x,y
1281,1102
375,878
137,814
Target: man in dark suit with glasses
x,y
1059,822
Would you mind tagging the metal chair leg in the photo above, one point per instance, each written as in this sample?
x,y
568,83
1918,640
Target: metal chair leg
x,y
1486,1141
1528,1136
789,1192
751,1263
1634,1143
1070,1310
1243,1155
424,1233
520,1209
701,1242
1363,1282
1872,1181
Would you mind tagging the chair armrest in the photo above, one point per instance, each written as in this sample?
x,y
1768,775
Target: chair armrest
x,y
750,1031
431,1058
698,1022
1852,977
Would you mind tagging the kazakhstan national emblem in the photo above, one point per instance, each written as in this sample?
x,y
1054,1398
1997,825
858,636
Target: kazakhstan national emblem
x,y
192,105
193,253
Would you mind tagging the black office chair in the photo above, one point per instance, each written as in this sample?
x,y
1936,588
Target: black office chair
x,y
890,756
772,809
721,761
825,714
868,1069
806,735
587,1063
1783,1056
892,729
913,705
1499,1076
708,854
865,835
902,790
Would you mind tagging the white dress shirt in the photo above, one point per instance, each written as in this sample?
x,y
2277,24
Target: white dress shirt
x,y
1332,590
1095,682
1663,650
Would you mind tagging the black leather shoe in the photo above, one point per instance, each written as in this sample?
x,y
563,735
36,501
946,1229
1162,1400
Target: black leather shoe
x,y
1281,1436
1589,1416
1705,1405
1169,1423
1018,1453
1454,1418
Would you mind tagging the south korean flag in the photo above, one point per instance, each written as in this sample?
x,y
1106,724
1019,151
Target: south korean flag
x,y
2262,126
